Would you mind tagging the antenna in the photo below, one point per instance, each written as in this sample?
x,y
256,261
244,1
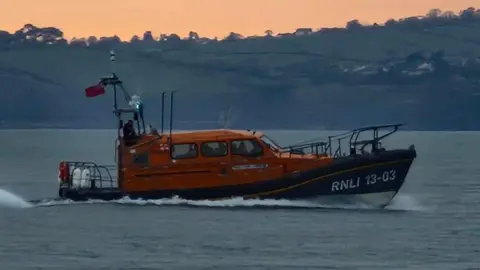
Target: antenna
x,y
163,109
171,114
112,68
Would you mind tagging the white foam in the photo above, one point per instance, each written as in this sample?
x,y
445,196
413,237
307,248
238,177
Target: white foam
x,y
405,202
233,202
10,200
401,202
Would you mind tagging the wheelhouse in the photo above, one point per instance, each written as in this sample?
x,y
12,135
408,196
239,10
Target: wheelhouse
x,y
208,145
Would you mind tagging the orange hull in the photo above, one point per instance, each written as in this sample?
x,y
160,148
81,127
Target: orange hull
x,y
152,168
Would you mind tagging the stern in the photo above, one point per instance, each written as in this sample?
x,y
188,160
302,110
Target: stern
x,y
80,181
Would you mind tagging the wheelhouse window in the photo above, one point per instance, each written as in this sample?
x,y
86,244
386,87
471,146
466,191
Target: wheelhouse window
x,y
184,150
214,149
249,148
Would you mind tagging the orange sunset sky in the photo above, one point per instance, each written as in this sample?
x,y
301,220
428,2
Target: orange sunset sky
x,y
125,18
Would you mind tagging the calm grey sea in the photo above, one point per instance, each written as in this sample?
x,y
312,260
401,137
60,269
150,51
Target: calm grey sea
x,y
433,224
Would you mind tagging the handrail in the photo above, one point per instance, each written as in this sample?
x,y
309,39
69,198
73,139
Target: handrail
x,y
104,180
332,146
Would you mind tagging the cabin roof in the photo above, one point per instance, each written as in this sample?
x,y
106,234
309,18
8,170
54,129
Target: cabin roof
x,y
205,135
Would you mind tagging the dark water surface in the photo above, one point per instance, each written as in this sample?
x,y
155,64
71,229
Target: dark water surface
x,y
433,223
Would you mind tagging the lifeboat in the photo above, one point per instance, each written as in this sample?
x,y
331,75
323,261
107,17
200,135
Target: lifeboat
x,y
221,164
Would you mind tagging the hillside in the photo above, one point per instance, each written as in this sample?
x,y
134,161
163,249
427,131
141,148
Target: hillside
x,y
421,71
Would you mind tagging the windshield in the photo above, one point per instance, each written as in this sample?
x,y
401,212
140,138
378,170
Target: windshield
x,y
270,143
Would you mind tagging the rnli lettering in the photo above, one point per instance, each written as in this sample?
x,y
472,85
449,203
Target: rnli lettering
x,y
346,184
371,179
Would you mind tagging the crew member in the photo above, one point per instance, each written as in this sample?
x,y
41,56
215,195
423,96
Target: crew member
x,y
129,134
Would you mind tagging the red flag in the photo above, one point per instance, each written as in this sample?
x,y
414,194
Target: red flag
x,y
95,90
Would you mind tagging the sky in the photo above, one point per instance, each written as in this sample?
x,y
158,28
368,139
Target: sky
x,y
210,18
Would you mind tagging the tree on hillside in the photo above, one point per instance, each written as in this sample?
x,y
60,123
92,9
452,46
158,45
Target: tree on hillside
x,y
91,40
391,22
52,35
449,15
173,38
233,37
32,34
135,39
25,31
354,24
193,36
468,13
148,37
108,42
434,13
78,42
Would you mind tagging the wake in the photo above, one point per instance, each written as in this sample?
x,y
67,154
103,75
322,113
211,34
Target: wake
x,y
400,203
10,200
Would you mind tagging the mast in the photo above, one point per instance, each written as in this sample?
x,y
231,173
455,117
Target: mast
x,y
171,112
163,109
171,118
115,105
118,146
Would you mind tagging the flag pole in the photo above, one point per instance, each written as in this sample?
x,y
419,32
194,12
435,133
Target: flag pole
x,y
114,76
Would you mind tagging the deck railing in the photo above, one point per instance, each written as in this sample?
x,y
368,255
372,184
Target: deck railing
x,y
100,176
335,146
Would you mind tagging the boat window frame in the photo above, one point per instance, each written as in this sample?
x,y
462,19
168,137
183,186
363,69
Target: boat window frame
x,y
275,147
220,141
186,143
260,146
